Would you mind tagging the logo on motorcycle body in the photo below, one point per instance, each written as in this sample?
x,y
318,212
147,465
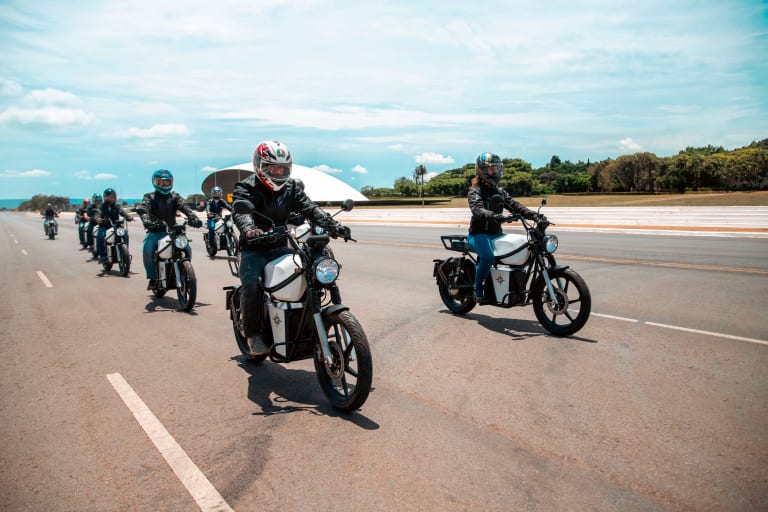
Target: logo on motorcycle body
x,y
276,320
500,279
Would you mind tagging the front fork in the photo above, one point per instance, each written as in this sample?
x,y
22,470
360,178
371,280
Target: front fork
x,y
322,335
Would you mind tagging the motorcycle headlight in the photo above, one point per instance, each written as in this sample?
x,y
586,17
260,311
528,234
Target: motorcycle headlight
x,y
550,243
326,270
319,230
230,223
181,242
120,231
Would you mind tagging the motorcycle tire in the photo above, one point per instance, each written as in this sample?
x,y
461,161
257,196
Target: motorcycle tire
x,y
462,301
186,290
208,248
348,382
159,293
125,261
235,313
571,290
107,266
51,235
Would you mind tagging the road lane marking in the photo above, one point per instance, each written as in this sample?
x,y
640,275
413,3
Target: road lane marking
x,y
623,319
44,279
15,241
708,333
24,252
198,486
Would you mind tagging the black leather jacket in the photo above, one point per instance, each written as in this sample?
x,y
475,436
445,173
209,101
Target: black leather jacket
x,y
213,207
91,211
274,205
110,210
163,207
483,221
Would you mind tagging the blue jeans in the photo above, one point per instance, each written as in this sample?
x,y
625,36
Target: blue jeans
x,y
211,232
483,245
89,233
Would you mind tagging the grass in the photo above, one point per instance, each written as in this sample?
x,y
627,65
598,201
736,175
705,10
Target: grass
x,y
751,198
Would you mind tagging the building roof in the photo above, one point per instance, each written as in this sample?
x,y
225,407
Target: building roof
x,y
319,186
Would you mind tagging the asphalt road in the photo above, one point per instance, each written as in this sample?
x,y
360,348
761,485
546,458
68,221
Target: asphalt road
x,y
659,403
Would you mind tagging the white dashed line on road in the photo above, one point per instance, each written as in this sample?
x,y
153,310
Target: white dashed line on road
x,y
24,252
198,486
44,279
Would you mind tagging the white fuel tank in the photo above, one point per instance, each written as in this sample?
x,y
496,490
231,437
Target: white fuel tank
x,y
283,269
512,248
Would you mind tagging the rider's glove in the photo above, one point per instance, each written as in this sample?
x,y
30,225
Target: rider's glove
x,y
154,227
195,222
253,233
529,214
499,217
343,231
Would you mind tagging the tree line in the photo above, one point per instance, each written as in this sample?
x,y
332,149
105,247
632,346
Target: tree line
x,y
708,168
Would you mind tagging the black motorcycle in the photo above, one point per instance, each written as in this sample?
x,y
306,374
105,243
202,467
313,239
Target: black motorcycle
x,y
173,266
116,244
303,313
524,273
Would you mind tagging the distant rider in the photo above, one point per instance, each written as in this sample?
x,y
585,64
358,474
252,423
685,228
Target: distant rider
x,y
160,213
81,220
485,225
90,215
49,213
275,196
213,208
110,210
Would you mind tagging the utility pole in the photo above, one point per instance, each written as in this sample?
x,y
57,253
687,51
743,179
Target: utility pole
x,y
418,176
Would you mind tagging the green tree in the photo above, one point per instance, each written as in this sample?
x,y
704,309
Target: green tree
x,y
405,187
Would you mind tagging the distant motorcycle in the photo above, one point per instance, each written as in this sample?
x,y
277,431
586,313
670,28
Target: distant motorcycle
x,y
304,316
51,228
224,239
525,273
173,266
117,247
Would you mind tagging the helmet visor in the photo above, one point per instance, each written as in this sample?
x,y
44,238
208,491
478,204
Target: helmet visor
x,y
278,172
163,182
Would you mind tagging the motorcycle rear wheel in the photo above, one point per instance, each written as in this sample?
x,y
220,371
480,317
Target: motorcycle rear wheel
x,y
349,382
186,290
461,301
571,290
125,261
235,313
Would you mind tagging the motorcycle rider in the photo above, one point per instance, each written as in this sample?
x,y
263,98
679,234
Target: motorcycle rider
x,y
90,216
110,210
160,209
213,208
485,225
49,213
275,195
80,218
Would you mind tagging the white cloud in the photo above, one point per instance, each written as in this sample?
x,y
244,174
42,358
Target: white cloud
x,y
24,174
429,176
82,175
433,158
46,116
42,97
208,168
396,147
629,145
156,131
104,176
360,169
327,169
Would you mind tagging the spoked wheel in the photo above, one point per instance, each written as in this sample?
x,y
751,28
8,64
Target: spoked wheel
x,y
125,261
573,303
232,253
462,300
347,381
210,249
235,314
186,289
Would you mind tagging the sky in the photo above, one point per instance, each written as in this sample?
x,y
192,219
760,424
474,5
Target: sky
x,y
97,94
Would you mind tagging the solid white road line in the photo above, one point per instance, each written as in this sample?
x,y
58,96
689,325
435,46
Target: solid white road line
x,y
623,319
44,279
709,333
198,486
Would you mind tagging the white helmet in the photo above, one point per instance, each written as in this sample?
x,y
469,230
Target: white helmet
x,y
272,164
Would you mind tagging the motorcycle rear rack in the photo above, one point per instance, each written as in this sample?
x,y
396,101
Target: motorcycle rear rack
x,y
458,243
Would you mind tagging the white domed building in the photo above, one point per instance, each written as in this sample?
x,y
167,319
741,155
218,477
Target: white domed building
x,y
319,186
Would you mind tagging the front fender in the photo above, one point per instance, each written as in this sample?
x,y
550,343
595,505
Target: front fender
x,y
333,308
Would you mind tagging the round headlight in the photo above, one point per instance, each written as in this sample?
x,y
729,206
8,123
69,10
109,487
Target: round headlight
x,y
319,230
230,223
181,242
326,270
120,231
550,243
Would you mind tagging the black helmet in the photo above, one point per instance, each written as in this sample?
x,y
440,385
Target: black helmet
x,y
110,192
488,167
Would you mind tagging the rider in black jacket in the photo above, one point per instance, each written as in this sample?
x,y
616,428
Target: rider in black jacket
x,y
90,214
110,210
49,213
160,209
485,225
275,196
80,216
213,209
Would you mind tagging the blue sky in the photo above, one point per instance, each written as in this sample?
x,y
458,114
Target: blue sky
x,y
98,94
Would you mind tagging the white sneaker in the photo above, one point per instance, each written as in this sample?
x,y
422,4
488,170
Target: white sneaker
x,y
258,347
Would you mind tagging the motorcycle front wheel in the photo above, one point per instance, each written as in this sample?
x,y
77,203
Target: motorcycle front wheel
x,y
186,290
236,315
125,261
348,380
459,301
572,306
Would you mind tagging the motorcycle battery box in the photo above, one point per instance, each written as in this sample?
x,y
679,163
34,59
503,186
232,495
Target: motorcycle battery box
x,y
512,249
282,318
508,284
283,278
219,226
164,249
109,236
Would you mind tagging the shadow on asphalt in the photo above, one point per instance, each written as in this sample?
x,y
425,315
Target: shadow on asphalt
x,y
515,328
297,391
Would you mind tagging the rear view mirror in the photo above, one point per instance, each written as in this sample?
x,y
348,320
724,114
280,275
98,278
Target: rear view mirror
x,y
347,205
